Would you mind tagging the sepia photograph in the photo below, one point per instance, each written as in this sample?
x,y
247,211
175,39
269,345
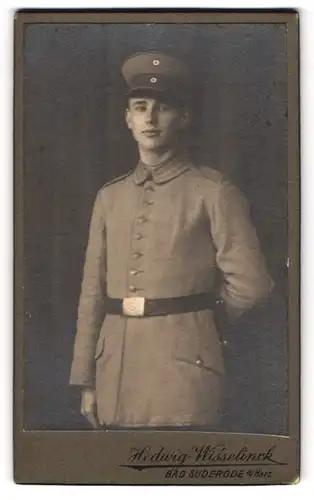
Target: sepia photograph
x,y
157,239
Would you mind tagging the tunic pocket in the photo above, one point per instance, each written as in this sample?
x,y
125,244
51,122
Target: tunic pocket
x,y
108,340
200,359
197,346
100,346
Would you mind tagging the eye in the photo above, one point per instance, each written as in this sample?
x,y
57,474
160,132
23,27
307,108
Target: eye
x,y
140,107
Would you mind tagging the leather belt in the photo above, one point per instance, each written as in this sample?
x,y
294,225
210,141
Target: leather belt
x,y
140,306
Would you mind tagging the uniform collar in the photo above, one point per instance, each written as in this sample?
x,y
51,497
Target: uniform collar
x,y
163,172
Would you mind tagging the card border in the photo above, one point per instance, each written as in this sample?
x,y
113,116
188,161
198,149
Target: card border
x,y
46,457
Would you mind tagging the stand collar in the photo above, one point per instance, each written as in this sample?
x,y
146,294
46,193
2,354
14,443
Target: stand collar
x,y
163,172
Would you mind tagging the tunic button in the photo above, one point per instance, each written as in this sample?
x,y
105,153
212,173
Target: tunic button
x,y
199,362
142,219
148,202
137,255
133,272
149,188
138,236
132,288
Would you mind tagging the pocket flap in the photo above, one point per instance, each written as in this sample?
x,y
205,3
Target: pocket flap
x,y
198,355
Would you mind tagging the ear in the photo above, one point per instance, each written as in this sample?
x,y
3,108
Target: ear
x,y
185,119
128,118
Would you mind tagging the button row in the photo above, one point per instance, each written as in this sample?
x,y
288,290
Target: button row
x,y
142,219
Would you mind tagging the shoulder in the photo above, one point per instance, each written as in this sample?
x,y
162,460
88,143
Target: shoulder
x,y
207,176
216,187
211,174
116,181
108,192
214,178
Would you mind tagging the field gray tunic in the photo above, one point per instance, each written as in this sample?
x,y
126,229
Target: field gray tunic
x,y
163,235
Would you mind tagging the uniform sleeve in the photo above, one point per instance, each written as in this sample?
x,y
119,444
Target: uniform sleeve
x,y
246,281
91,310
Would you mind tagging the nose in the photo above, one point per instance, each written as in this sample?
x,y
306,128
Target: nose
x,y
151,116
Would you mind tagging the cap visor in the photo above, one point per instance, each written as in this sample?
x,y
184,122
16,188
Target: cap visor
x,y
166,96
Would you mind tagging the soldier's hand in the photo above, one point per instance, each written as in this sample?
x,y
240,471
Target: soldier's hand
x,y
88,407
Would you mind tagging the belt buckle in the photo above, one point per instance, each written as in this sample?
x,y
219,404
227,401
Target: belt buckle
x,y
133,306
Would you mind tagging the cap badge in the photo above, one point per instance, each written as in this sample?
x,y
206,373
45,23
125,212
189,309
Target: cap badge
x,y
156,62
153,80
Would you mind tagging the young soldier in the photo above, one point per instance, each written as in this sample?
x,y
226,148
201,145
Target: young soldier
x,y
147,351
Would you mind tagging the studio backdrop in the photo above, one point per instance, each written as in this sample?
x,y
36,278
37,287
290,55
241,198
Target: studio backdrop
x,y
75,140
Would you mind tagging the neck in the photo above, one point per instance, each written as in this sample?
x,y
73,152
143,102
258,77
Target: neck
x,y
154,158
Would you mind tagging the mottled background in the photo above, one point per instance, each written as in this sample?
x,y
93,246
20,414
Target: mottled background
x,y
75,140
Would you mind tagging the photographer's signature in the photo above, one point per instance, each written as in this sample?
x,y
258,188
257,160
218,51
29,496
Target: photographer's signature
x,y
199,456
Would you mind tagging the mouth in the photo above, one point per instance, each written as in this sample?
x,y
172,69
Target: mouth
x,y
151,133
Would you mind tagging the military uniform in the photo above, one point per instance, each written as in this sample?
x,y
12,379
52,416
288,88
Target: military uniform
x,y
156,234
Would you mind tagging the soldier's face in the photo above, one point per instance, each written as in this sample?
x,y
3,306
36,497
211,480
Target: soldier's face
x,y
155,125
